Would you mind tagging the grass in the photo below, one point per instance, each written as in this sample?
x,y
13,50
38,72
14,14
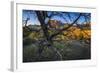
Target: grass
x,y
69,50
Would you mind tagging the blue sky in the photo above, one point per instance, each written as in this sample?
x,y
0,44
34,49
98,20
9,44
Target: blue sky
x,y
30,14
33,18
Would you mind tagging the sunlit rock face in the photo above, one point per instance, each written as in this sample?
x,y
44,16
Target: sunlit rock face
x,y
54,23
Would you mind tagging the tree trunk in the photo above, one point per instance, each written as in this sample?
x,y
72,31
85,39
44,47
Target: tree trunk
x,y
41,17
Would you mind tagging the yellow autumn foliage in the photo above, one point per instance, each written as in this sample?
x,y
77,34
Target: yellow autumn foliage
x,y
72,33
34,35
75,33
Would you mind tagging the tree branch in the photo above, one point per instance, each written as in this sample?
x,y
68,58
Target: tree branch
x,y
59,32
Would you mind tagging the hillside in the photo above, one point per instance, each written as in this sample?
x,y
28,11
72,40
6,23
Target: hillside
x,y
73,43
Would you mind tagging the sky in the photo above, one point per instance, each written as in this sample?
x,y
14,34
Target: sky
x,y
65,19
30,14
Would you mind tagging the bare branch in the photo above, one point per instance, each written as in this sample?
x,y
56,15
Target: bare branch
x,y
59,32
